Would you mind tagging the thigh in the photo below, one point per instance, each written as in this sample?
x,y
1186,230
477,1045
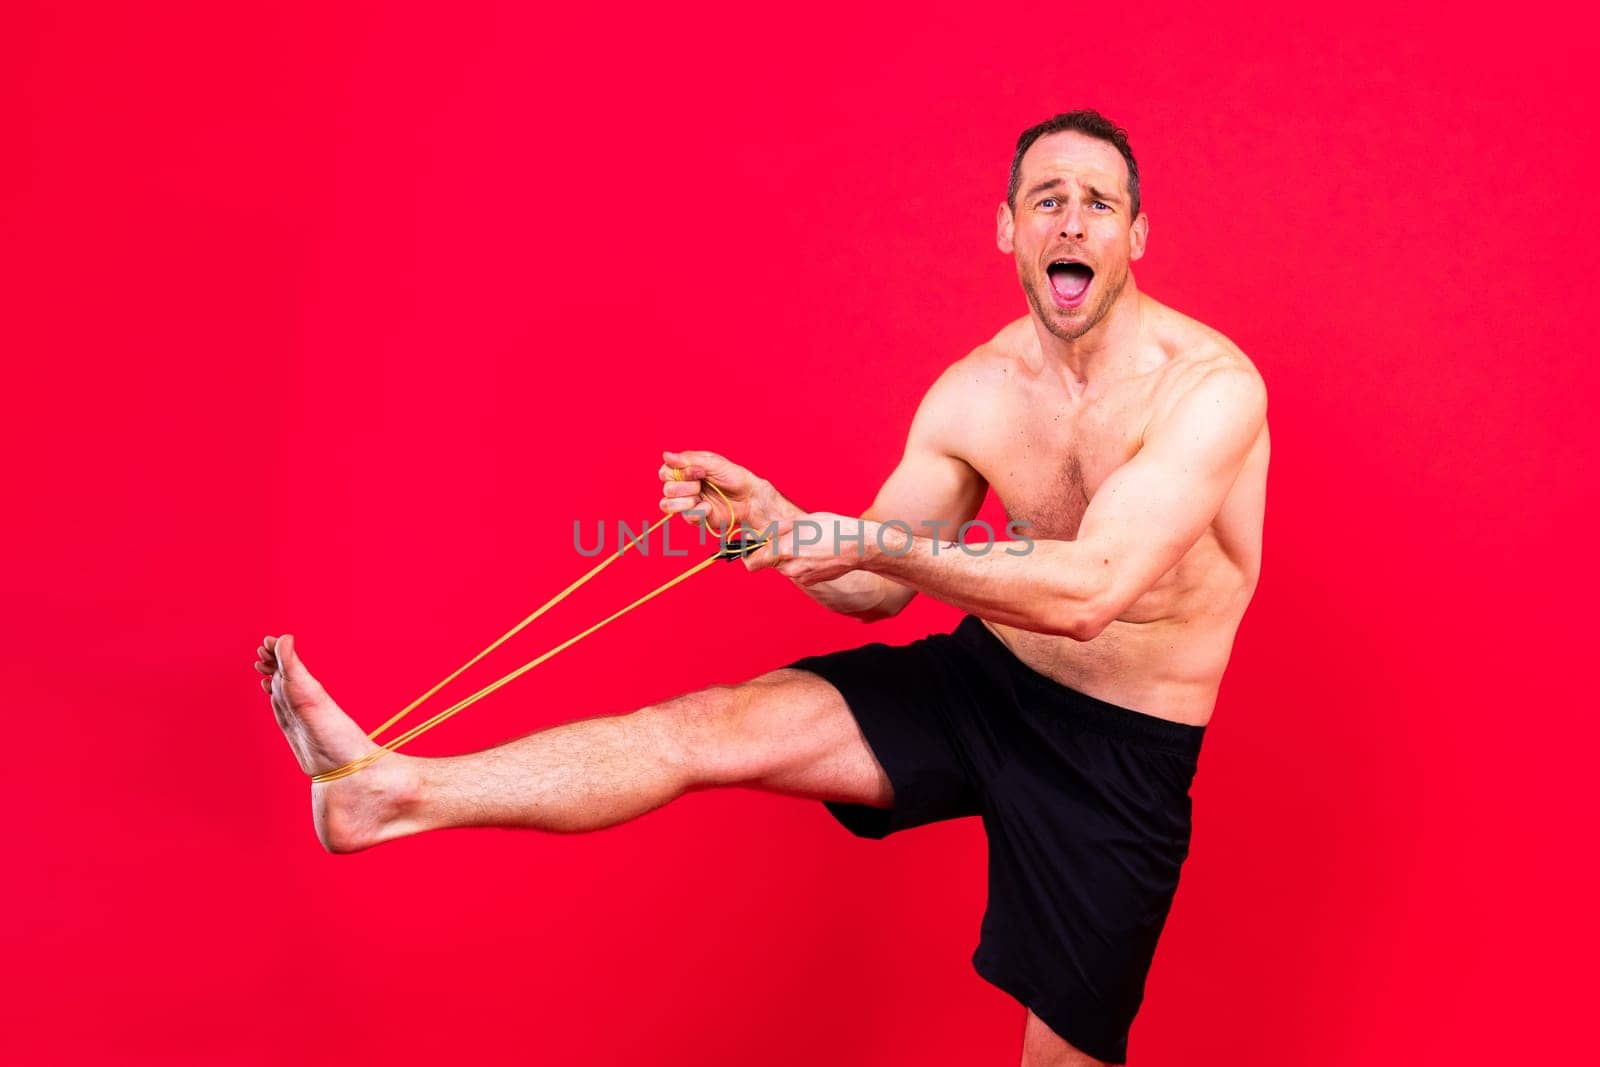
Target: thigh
x,y
1043,1047
787,731
920,716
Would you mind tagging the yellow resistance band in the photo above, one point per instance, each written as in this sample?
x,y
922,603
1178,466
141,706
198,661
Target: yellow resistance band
x,y
421,728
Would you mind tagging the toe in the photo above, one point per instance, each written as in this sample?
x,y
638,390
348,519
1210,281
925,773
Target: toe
x,y
287,656
301,689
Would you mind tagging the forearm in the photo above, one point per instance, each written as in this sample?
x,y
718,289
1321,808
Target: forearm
x,y
859,595
1052,587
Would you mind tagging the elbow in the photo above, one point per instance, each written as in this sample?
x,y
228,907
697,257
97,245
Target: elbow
x,y
888,606
1083,626
886,609
1085,618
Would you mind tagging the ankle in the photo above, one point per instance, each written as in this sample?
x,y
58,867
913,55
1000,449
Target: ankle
x,y
379,803
407,794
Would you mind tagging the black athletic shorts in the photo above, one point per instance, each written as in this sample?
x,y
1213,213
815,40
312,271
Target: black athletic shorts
x,y
1086,807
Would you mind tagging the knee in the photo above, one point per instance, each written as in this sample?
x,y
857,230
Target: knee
x,y
704,735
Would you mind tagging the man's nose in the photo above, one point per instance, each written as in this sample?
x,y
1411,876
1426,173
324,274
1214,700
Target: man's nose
x,y
1072,224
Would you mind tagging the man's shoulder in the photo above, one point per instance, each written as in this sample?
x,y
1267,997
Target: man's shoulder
x,y
967,397
1197,351
991,364
1206,375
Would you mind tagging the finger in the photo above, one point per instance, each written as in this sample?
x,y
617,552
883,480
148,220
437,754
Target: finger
x,y
265,668
689,489
694,509
678,468
266,685
701,464
762,558
271,643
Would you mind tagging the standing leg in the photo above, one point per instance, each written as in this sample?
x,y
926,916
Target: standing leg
x,y
1043,1047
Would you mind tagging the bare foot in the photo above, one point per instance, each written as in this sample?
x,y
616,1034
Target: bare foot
x,y
353,813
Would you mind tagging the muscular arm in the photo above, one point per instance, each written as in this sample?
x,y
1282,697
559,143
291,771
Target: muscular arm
x,y
1142,520
930,485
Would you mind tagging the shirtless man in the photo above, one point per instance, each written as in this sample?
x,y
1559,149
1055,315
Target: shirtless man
x,y
1067,708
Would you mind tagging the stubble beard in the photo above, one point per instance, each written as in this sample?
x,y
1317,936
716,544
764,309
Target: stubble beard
x,y
1047,312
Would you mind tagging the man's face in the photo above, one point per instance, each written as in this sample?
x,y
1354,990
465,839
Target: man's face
x,y
1071,231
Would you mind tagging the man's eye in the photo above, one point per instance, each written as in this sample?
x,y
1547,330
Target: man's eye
x,y
1048,202
1101,203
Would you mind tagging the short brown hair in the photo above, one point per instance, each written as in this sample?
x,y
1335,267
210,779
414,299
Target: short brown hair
x,y
1090,123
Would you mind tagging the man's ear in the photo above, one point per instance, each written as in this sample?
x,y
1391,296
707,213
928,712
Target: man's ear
x,y
1136,238
1004,227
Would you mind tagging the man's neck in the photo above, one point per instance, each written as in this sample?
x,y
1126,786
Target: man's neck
x,y
1106,351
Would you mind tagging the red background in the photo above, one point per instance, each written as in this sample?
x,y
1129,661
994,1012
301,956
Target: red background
x,y
332,321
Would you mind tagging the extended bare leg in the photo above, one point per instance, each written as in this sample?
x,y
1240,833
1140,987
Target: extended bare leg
x,y
787,731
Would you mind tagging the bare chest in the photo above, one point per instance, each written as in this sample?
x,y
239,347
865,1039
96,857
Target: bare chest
x,y
1047,461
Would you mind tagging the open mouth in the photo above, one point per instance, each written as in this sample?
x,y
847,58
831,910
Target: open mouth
x,y
1069,281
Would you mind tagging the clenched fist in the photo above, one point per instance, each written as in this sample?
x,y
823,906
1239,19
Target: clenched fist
x,y
755,503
